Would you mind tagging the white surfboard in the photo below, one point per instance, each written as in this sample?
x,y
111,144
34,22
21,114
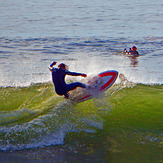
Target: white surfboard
x,y
95,86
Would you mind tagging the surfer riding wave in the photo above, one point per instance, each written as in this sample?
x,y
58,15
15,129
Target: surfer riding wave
x,y
58,78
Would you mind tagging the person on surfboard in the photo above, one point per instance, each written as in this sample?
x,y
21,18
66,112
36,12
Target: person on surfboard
x,y
58,78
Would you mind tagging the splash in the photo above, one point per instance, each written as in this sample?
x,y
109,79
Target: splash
x,y
43,130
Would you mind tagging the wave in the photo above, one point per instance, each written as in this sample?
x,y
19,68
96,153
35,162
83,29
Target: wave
x,y
35,116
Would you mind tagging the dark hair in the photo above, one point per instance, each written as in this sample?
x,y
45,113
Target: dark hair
x,y
62,65
134,48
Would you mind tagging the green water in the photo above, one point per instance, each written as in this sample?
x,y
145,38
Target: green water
x,y
26,102
124,125
132,130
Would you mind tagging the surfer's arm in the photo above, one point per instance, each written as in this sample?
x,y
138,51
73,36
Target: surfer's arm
x,y
75,74
51,68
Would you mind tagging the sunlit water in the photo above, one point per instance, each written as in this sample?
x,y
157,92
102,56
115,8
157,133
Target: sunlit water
x,y
88,36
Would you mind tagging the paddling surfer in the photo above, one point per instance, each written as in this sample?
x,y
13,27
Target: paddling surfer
x,y
132,52
58,78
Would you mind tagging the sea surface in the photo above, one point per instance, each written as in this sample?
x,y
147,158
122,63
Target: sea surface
x,y
122,125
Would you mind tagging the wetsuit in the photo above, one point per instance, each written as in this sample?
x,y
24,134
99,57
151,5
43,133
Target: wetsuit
x,y
58,77
134,53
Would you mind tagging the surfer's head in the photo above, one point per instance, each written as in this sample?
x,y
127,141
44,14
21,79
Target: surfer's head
x,y
63,66
134,48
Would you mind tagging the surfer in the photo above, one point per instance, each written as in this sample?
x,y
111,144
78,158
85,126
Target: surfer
x,y
132,52
58,78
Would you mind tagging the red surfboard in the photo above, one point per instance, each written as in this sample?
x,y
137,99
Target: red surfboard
x,y
97,85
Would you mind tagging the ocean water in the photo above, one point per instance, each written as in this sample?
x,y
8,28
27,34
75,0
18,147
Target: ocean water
x,y
122,125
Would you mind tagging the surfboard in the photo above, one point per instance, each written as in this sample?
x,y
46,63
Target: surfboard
x,y
95,86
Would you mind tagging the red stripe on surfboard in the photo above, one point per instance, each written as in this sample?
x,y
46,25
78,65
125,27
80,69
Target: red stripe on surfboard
x,y
111,81
86,97
112,73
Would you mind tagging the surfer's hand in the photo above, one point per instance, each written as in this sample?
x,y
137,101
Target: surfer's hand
x,y
84,75
54,63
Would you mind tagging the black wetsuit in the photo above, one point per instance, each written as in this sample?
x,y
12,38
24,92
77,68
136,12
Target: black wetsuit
x,y
58,77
